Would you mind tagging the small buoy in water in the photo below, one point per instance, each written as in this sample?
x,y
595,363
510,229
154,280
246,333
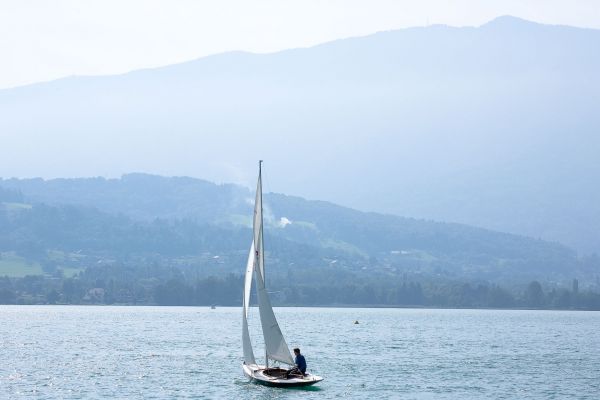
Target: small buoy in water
x,y
356,322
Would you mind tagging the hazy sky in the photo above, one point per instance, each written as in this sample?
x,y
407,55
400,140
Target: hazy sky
x,y
44,40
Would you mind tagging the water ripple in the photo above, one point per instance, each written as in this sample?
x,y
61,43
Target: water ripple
x,y
71,352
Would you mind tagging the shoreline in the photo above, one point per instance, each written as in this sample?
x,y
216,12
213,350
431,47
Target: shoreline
x,y
372,307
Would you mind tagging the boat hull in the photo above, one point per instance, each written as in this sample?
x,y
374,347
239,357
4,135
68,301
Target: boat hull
x,y
257,374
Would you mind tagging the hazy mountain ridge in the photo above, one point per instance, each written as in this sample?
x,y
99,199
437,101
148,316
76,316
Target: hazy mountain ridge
x,y
493,126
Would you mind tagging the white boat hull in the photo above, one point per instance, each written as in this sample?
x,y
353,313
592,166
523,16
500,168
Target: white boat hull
x,y
257,373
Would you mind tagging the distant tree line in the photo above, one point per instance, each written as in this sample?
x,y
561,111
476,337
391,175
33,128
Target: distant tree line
x,y
227,291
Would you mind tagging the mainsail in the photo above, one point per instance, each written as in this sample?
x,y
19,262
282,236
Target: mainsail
x,y
275,346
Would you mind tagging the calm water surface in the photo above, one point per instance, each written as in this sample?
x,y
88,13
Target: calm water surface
x,y
85,352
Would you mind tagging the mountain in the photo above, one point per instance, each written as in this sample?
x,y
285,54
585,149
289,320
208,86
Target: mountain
x,y
494,126
149,216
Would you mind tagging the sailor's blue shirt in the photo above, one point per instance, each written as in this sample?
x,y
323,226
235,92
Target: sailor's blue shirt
x,y
301,363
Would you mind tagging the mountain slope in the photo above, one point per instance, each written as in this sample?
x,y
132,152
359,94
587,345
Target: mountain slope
x,y
178,217
493,126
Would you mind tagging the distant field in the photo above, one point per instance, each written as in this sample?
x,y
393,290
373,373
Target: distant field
x,y
14,266
60,257
243,220
70,272
16,206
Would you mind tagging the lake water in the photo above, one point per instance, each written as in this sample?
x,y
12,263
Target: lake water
x,y
86,352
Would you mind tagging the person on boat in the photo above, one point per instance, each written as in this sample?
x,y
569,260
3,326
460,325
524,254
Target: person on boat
x,y
300,362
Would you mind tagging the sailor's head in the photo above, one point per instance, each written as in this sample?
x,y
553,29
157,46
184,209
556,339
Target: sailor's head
x,y
296,351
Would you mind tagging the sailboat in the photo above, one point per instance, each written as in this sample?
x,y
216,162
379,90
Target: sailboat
x,y
276,348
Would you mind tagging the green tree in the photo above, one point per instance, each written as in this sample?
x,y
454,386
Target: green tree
x,y
534,295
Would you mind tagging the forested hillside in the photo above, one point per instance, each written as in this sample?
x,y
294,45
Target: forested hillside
x,y
150,239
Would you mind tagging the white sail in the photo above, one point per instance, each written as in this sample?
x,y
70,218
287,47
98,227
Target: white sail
x,y
248,353
275,346
258,227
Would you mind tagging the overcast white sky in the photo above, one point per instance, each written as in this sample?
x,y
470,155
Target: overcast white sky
x,y
43,40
